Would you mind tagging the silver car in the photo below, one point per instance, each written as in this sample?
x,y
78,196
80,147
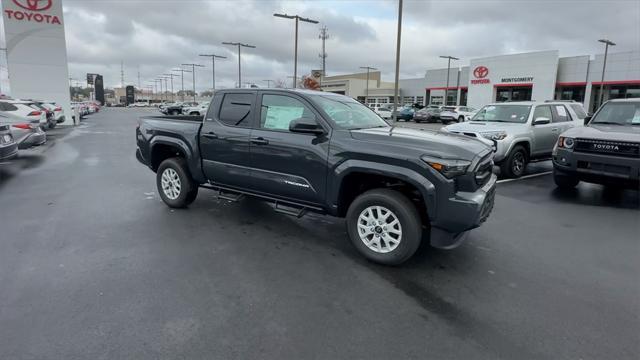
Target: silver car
x,y
521,131
25,132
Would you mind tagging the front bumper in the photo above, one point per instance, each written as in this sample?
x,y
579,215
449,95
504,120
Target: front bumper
x,y
34,139
597,168
462,212
141,158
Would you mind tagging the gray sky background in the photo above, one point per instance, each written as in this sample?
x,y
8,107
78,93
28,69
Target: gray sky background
x,y
158,35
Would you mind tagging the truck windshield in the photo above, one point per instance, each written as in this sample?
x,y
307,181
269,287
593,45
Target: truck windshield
x,y
347,113
618,113
503,113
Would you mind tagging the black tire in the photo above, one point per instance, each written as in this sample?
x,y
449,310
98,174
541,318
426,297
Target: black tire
x,y
188,189
194,113
460,119
564,181
515,163
52,124
173,112
405,212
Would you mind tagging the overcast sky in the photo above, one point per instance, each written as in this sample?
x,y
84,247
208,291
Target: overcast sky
x,y
158,35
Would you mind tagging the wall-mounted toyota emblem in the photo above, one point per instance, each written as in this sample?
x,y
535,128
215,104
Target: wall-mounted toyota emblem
x,y
481,72
34,5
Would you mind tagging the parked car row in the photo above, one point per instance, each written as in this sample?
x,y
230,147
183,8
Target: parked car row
x,y
184,108
431,113
85,107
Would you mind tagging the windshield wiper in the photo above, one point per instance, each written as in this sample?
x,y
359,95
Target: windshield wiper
x,y
606,123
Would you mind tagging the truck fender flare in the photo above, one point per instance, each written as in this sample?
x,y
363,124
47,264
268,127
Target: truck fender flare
x,y
165,140
518,141
426,187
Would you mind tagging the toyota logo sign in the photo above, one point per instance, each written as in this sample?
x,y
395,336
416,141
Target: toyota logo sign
x,y
34,5
481,72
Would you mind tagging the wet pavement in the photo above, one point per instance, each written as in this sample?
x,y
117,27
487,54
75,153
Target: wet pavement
x,y
94,265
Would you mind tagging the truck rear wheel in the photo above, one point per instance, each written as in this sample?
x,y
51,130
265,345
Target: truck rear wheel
x,y
175,185
384,226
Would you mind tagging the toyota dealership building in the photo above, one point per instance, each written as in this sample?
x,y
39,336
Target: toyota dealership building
x,y
542,75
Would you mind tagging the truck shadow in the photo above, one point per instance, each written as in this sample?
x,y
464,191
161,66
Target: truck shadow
x,y
598,195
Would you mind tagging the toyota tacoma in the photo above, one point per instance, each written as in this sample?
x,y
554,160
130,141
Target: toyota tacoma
x,y
307,150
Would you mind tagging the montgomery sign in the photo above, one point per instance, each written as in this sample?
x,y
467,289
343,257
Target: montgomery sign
x,y
33,11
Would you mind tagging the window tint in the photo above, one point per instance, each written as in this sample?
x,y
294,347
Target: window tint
x,y
236,109
561,114
4,106
579,111
278,111
542,111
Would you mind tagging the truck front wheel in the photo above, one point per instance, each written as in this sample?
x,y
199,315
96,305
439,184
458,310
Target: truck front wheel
x,y
384,226
175,185
515,163
565,181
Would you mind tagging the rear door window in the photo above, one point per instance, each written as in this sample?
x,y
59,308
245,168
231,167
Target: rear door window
x,y
579,111
236,109
542,112
560,114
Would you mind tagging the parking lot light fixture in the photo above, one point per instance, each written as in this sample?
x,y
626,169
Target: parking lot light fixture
x,y
606,43
213,67
181,71
268,81
295,50
239,45
446,90
193,72
395,87
366,97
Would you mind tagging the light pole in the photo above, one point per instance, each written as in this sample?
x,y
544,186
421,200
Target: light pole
x,y
213,68
193,72
182,71
268,82
171,77
446,91
239,45
366,97
295,51
606,43
395,88
161,92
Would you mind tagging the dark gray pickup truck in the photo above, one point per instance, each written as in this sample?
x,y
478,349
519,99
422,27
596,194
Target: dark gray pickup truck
x,y
605,151
314,151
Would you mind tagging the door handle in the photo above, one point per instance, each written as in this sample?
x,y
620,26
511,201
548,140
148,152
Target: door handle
x,y
210,135
259,141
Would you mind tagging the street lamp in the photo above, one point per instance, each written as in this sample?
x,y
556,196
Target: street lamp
x,y
182,71
239,45
606,43
213,68
366,98
193,72
446,91
295,54
171,77
161,92
399,36
268,82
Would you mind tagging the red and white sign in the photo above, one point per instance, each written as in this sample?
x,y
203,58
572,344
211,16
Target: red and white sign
x,y
480,73
33,10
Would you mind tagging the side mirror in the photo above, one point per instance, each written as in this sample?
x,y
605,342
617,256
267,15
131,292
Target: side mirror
x,y
541,120
587,119
306,126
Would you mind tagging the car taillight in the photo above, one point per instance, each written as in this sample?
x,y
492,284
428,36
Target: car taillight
x,y
35,113
22,126
57,109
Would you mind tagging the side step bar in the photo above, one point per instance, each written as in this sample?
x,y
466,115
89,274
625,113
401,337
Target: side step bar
x,y
290,208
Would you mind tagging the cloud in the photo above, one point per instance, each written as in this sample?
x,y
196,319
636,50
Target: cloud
x,y
156,36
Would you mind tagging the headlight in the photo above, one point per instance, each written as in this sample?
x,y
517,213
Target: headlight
x,y
494,135
566,142
450,168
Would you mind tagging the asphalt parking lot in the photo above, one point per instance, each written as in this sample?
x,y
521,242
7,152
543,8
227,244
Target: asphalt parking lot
x,y
94,266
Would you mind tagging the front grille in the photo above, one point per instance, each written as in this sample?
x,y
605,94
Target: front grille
x,y
617,148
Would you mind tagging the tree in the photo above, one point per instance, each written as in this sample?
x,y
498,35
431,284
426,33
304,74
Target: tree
x,y
309,82
206,93
185,93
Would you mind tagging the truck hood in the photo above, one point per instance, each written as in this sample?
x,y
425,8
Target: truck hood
x,y
485,126
605,132
432,143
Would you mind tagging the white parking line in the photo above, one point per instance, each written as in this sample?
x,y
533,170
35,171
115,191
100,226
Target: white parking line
x,y
525,177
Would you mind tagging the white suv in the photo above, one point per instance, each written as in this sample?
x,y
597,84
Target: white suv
x,y
24,110
456,113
